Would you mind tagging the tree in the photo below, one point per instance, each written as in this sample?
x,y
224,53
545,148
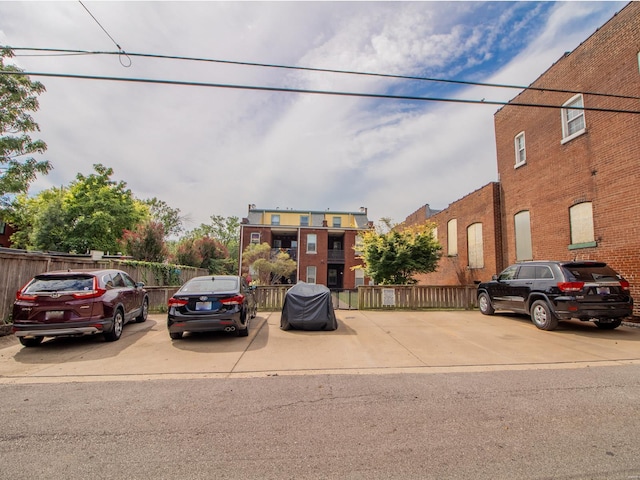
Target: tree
x,y
227,231
269,269
18,97
392,258
146,243
203,252
162,213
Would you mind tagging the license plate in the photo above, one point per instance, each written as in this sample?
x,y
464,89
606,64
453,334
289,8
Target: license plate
x,y
203,306
54,315
604,291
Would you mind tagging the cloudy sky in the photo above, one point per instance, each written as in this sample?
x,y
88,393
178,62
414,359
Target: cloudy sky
x,y
212,151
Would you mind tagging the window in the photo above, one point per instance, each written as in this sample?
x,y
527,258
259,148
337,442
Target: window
x,y
2,227
359,277
524,249
255,237
581,218
312,246
275,219
521,154
337,221
474,243
434,233
573,123
277,243
311,274
304,220
452,238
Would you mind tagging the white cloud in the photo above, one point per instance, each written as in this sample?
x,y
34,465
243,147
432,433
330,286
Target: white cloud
x,y
213,151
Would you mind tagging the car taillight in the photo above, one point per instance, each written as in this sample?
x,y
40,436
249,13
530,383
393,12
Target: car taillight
x,y
237,300
177,302
95,293
624,285
570,286
24,296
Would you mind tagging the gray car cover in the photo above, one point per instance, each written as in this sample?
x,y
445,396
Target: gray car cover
x,y
308,307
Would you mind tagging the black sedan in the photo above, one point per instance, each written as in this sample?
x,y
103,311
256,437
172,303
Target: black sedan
x,y
212,303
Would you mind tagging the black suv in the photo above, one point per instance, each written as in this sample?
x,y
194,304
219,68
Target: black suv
x,y
553,291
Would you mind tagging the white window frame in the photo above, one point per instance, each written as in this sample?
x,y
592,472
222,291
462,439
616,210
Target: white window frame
x,y
475,245
359,277
311,274
336,222
255,237
275,219
581,223
312,243
569,116
520,148
305,222
452,237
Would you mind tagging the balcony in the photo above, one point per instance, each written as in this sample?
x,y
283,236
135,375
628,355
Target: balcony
x,y
335,256
293,253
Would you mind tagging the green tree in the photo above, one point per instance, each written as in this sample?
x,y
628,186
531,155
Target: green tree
x,y
203,252
98,210
394,257
18,97
226,230
268,268
170,218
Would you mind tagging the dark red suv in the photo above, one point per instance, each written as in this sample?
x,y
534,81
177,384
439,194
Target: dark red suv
x,y
79,302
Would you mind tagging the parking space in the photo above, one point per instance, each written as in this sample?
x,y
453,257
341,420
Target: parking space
x,y
365,342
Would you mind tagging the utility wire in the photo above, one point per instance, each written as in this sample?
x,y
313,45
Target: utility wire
x,y
326,70
120,50
316,92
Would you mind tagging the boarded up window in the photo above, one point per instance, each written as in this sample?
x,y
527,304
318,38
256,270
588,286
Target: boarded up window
x,y
452,237
524,250
475,246
581,216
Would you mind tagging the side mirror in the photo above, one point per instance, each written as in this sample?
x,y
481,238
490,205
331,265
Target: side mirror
x,y
139,284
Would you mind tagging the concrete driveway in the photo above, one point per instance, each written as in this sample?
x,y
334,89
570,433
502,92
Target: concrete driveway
x,y
366,342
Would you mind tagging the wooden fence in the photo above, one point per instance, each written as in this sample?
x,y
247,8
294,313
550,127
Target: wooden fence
x,y
17,267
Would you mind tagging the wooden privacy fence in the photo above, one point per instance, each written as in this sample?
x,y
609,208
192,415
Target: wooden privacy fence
x,y
411,297
17,267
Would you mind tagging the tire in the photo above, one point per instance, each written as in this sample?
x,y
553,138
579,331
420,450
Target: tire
x,y
175,335
608,325
118,325
243,332
542,316
145,311
484,303
31,341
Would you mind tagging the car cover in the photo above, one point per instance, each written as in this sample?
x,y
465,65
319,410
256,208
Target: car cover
x,y
308,307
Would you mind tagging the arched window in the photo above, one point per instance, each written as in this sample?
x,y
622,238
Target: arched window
x,y
524,249
452,237
475,246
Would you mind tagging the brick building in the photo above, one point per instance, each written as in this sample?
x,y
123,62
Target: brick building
x,y
6,231
321,242
469,232
569,175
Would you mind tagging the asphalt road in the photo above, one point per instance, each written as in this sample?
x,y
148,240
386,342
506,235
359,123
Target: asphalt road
x,y
403,395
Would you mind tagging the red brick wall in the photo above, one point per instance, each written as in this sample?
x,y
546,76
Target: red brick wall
x,y
6,235
601,166
319,259
482,206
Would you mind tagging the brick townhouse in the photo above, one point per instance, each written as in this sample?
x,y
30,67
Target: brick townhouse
x,y
569,176
321,242
5,234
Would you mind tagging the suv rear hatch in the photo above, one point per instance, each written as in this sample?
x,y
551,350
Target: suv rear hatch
x,y
595,282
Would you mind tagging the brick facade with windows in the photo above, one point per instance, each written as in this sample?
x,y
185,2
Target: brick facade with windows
x,y
335,235
597,168
569,177
481,206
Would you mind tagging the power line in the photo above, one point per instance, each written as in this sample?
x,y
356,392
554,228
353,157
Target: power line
x,y
316,92
121,51
327,70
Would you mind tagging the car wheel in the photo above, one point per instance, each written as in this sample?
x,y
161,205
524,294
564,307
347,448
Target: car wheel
x,y
542,316
118,325
243,332
175,335
484,302
608,325
145,311
31,341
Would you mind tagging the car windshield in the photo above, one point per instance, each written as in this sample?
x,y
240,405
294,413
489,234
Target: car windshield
x,y
60,284
210,284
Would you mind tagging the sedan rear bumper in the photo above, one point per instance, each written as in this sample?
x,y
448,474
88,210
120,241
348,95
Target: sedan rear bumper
x,y
183,323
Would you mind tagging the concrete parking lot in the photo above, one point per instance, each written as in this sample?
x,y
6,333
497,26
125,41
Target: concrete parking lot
x,y
366,342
